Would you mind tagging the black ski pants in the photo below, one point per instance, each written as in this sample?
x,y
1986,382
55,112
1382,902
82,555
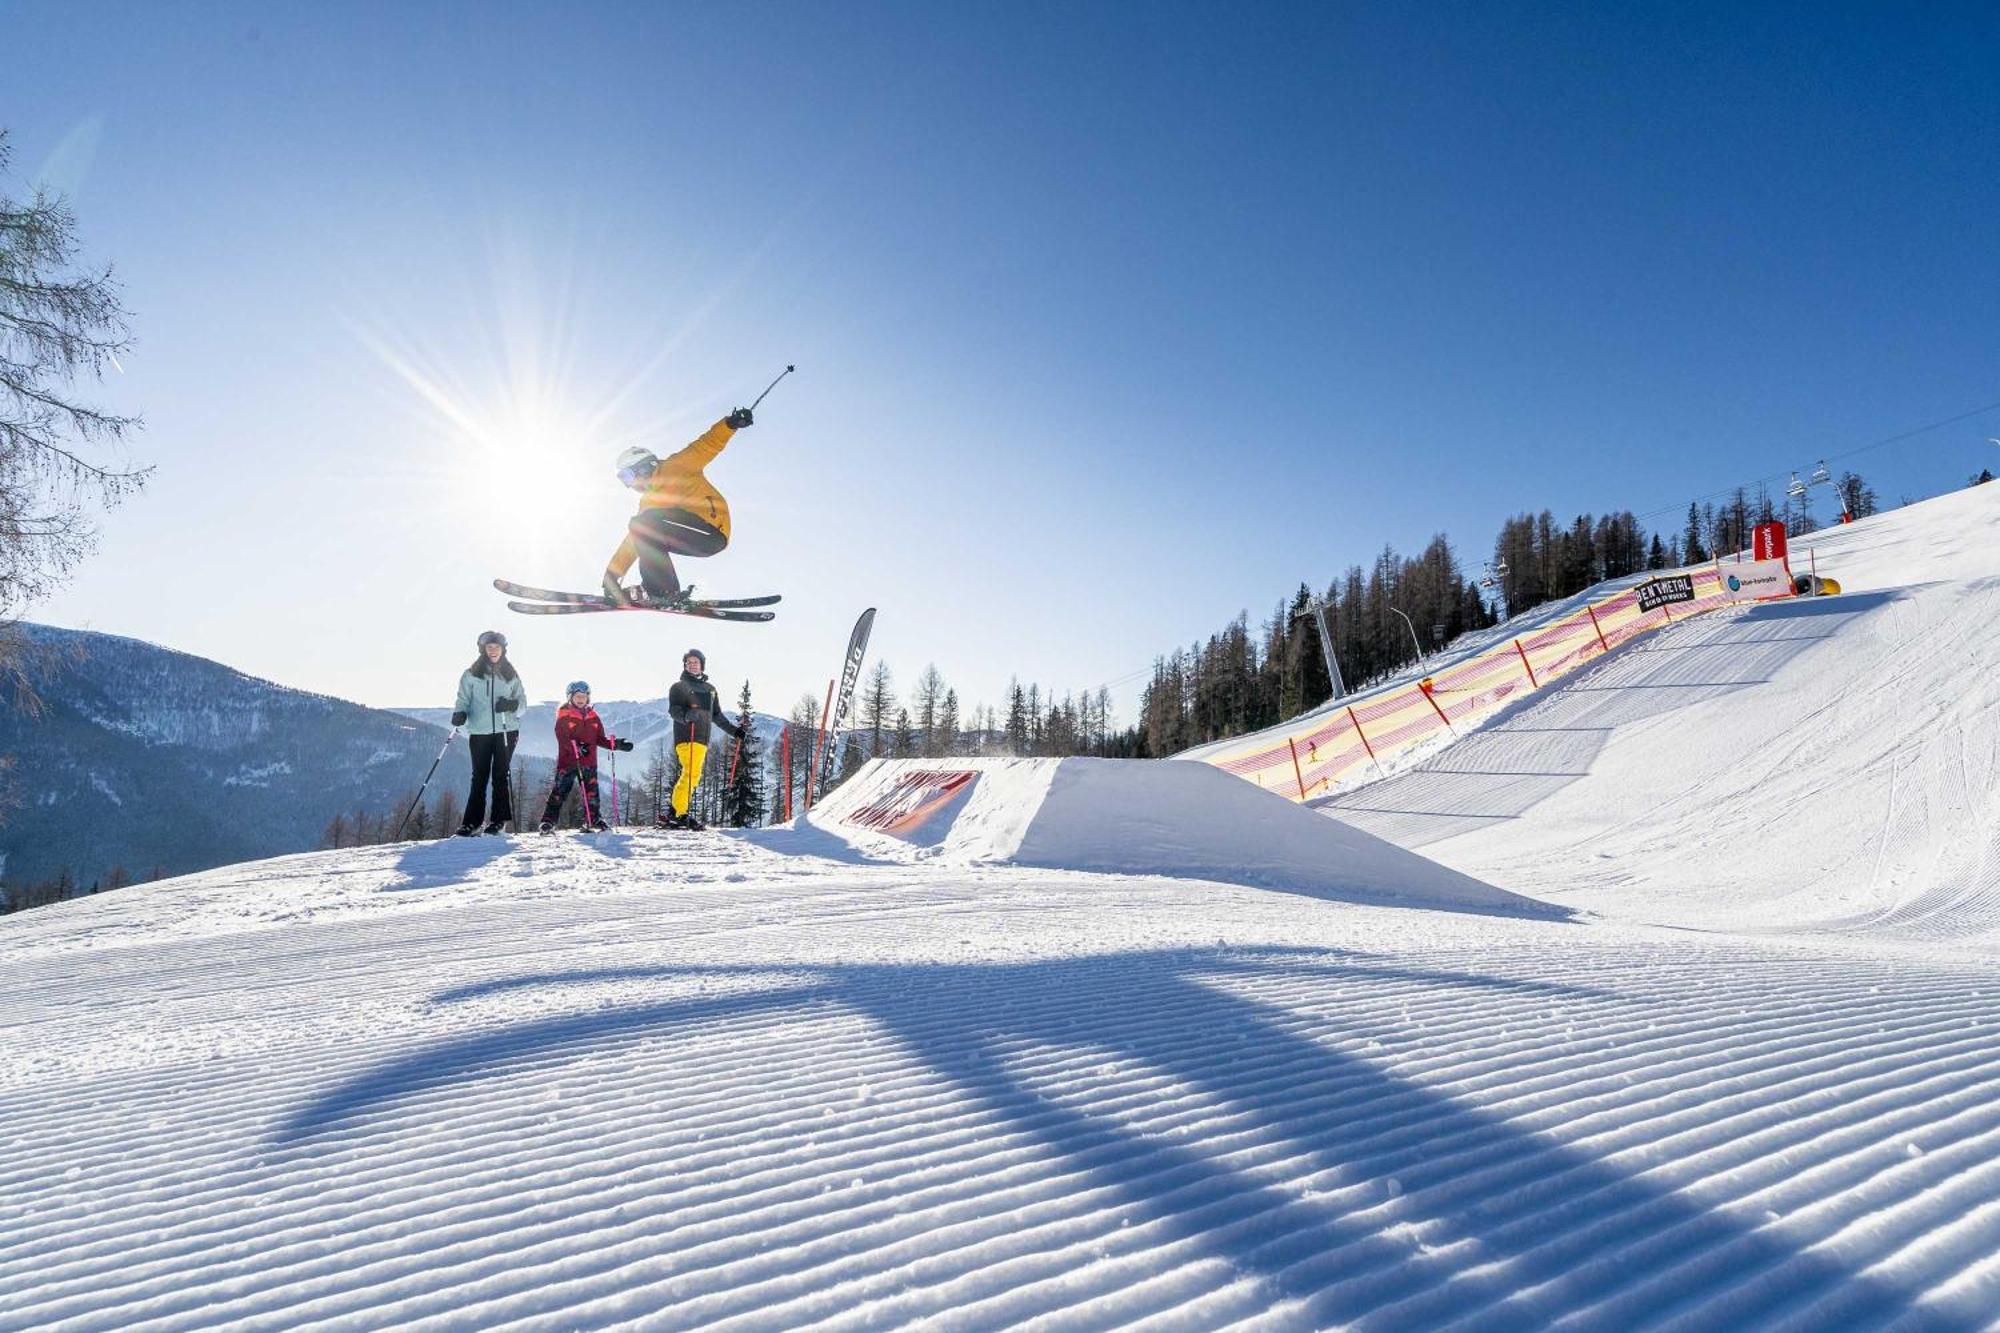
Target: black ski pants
x,y
662,534
592,811
492,758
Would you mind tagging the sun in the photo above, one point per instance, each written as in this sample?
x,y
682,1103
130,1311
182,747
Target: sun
x,y
513,414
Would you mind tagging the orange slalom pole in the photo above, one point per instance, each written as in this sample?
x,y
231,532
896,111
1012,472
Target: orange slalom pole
x,y
1425,686
1599,628
1532,683
1296,772
1364,737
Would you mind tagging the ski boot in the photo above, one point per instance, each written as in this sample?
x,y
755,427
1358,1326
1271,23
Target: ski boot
x,y
496,827
545,827
668,820
467,831
691,824
670,601
599,826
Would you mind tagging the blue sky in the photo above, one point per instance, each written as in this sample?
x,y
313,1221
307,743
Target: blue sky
x,y
1110,320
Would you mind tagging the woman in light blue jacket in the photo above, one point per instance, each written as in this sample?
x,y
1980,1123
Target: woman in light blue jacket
x,y
490,700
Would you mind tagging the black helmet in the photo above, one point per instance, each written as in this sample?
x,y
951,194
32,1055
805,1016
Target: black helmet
x,y
698,655
493,636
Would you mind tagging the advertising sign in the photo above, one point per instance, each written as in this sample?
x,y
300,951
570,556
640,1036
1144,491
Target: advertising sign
x,y
1667,588
1755,580
1767,541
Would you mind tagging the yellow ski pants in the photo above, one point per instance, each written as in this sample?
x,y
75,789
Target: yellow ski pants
x,y
691,754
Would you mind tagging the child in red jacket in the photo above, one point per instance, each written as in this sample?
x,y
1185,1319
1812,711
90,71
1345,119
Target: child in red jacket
x,y
580,734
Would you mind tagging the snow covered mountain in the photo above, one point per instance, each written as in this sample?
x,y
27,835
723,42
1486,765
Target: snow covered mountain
x,y
148,758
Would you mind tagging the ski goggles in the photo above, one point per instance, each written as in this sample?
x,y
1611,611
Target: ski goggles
x,y
578,687
635,475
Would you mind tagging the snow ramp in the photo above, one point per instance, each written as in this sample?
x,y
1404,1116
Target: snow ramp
x,y
1133,816
1824,763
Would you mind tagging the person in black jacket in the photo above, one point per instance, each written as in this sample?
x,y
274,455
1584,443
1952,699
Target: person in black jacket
x,y
694,706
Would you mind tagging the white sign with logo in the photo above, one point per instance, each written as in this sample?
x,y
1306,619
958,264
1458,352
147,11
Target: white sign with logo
x,y
1755,580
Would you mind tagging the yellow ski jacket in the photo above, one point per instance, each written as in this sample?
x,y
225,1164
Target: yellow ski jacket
x,y
679,483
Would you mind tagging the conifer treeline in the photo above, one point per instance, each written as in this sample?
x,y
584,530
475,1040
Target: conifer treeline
x,y
1240,681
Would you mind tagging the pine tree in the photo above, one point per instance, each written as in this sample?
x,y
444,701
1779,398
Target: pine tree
x,y
903,744
878,705
1016,733
1692,551
446,819
929,699
805,740
947,724
60,323
654,797
1858,496
745,806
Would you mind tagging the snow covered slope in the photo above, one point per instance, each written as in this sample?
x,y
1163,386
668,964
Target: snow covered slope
x,y
1130,817
1833,761
656,1083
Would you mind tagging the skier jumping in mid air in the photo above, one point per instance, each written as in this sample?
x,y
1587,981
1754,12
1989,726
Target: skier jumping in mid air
x,y
680,513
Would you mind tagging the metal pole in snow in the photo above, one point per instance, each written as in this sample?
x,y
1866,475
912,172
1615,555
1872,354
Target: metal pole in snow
x,y
1326,648
1413,635
425,785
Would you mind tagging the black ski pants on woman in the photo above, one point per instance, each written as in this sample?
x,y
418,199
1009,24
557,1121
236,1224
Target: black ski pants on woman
x,y
492,757
662,534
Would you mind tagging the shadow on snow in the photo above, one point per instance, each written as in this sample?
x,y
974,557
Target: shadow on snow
x,y
1507,1214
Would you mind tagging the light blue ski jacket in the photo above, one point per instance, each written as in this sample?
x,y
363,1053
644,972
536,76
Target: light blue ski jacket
x,y
476,696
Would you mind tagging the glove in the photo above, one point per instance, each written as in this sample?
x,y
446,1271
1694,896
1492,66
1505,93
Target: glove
x,y
621,745
738,419
458,719
505,705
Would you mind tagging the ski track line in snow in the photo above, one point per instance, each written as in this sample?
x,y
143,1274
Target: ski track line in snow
x,y
1285,1131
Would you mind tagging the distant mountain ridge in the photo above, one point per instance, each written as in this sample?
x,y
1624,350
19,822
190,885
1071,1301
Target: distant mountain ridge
x,y
147,758
641,721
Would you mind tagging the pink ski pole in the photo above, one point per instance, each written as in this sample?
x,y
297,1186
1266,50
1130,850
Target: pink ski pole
x,y
582,791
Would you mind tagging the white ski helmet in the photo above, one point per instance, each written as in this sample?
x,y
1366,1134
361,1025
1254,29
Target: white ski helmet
x,y
635,467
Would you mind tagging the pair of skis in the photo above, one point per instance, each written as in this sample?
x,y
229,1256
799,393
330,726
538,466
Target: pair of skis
x,y
550,602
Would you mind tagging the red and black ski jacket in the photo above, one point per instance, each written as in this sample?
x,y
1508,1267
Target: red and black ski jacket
x,y
580,735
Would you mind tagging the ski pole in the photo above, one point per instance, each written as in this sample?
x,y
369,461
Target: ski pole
x,y
582,791
614,784
768,387
426,785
